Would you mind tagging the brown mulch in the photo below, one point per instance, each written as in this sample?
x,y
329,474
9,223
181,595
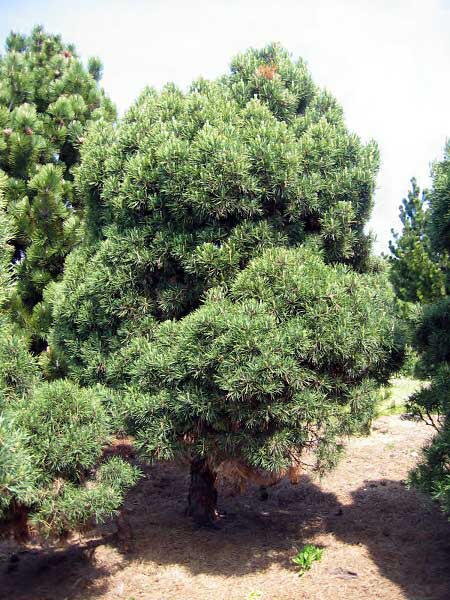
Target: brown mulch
x,y
380,539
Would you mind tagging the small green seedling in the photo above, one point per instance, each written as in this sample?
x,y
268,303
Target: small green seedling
x,y
254,596
306,556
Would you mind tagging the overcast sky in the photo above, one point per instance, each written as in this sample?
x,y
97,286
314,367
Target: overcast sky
x,y
387,61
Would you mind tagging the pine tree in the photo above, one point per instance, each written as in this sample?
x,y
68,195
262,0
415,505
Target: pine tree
x,y
416,272
225,292
190,186
432,341
288,360
47,99
53,477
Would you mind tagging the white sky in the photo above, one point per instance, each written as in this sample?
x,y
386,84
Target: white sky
x,y
387,61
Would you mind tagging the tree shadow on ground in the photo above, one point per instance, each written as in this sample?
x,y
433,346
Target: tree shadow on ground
x,y
406,535
47,574
407,538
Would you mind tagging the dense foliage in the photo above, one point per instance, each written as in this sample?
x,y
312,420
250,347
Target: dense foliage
x,y
47,98
6,250
224,304
52,436
288,359
416,269
191,186
432,341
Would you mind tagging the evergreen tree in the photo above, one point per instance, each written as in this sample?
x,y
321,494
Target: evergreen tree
x,y
47,98
53,478
288,360
249,195
432,341
416,272
190,186
52,435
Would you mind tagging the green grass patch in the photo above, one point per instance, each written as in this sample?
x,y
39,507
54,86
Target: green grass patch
x,y
393,397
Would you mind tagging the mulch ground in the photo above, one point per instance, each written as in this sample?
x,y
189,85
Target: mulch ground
x,y
380,539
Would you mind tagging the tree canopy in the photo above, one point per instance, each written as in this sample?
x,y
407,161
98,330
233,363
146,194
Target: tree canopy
x,y
417,270
432,340
190,186
47,98
225,292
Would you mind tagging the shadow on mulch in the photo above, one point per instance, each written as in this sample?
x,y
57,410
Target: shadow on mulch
x,y
50,574
407,538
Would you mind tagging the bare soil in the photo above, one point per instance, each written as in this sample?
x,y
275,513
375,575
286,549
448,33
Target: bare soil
x,y
381,540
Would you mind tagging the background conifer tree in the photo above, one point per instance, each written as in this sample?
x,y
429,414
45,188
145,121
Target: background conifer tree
x,y
432,341
416,270
53,477
47,98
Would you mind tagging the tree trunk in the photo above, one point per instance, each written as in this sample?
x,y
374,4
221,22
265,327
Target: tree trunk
x,y
202,498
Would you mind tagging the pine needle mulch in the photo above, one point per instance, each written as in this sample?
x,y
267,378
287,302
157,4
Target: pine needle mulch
x,y
380,539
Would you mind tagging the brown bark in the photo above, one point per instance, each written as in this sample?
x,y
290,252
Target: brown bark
x,y
16,524
202,498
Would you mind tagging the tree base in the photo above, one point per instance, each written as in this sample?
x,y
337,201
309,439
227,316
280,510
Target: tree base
x,y
202,498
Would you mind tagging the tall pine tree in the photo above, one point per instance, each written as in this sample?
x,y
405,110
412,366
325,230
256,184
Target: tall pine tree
x,y
432,341
416,270
47,99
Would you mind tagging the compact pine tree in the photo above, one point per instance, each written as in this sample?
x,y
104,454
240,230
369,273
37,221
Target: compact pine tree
x,y
47,99
203,195
417,273
287,360
432,341
190,186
